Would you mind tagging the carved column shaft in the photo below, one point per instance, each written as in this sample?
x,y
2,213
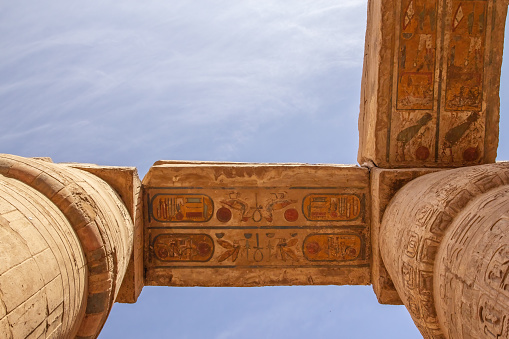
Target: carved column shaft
x,y
472,269
65,241
443,240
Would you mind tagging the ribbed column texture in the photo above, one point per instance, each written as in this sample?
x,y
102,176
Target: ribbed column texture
x,y
445,242
65,242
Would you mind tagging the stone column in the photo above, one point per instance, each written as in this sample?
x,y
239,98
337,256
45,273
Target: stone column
x,y
65,242
445,242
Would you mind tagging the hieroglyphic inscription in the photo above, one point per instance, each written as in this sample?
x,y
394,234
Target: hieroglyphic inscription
x,y
431,82
260,248
465,66
494,322
258,210
245,207
412,245
252,248
331,207
417,47
220,227
259,224
412,127
441,61
181,207
183,247
498,270
332,247
463,121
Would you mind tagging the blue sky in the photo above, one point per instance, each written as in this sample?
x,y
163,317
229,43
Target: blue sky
x,y
128,83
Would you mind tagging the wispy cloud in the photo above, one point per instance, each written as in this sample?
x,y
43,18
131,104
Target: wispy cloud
x,y
161,69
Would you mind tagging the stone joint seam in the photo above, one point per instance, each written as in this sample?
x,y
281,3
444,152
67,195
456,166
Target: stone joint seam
x,y
38,176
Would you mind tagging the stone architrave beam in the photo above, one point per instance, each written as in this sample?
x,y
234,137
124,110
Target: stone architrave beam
x,y
430,83
225,224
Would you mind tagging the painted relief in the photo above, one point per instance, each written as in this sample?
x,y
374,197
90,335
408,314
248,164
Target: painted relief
x,y
331,207
408,275
463,137
415,140
183,247
247,227
255,248
429,251
243,207
256,210
182,207
465,55
416,56
259,248
412,245
497,274
426,285
493,322
332,247
452,131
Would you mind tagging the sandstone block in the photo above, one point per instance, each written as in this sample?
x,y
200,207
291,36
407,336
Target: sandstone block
x,y
125,182
69,200
224,224
430,83
385,183
19,282
439,234
25,318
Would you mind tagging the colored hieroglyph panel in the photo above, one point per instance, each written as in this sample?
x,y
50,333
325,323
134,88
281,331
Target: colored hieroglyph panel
x,y
331,207
465,52
417,55
332,247
181,207
256,225
462,137
463,122
413,137
255,206
431,80
257,249
412,129
183,247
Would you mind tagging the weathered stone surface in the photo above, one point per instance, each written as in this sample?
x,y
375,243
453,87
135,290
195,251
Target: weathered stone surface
x,y
430,83
125,181
451,212
385,183
223,224
35,279
429,101
472,284
89,221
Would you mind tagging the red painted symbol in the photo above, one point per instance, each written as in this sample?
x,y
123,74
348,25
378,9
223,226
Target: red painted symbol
x,y
162,253
291,214
179,216
470,154
422,153
224,214
204,249
351,251
313,247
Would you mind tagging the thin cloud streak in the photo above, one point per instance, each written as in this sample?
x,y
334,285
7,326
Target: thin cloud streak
x,y
235,59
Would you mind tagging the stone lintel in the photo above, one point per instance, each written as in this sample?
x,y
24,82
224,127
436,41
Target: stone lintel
x,y
385,183
125,181
430,85
240,224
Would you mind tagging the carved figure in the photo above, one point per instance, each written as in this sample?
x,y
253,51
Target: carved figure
x,y
409,133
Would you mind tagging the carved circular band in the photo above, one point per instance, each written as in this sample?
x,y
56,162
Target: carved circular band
x,y
415,224
65,187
